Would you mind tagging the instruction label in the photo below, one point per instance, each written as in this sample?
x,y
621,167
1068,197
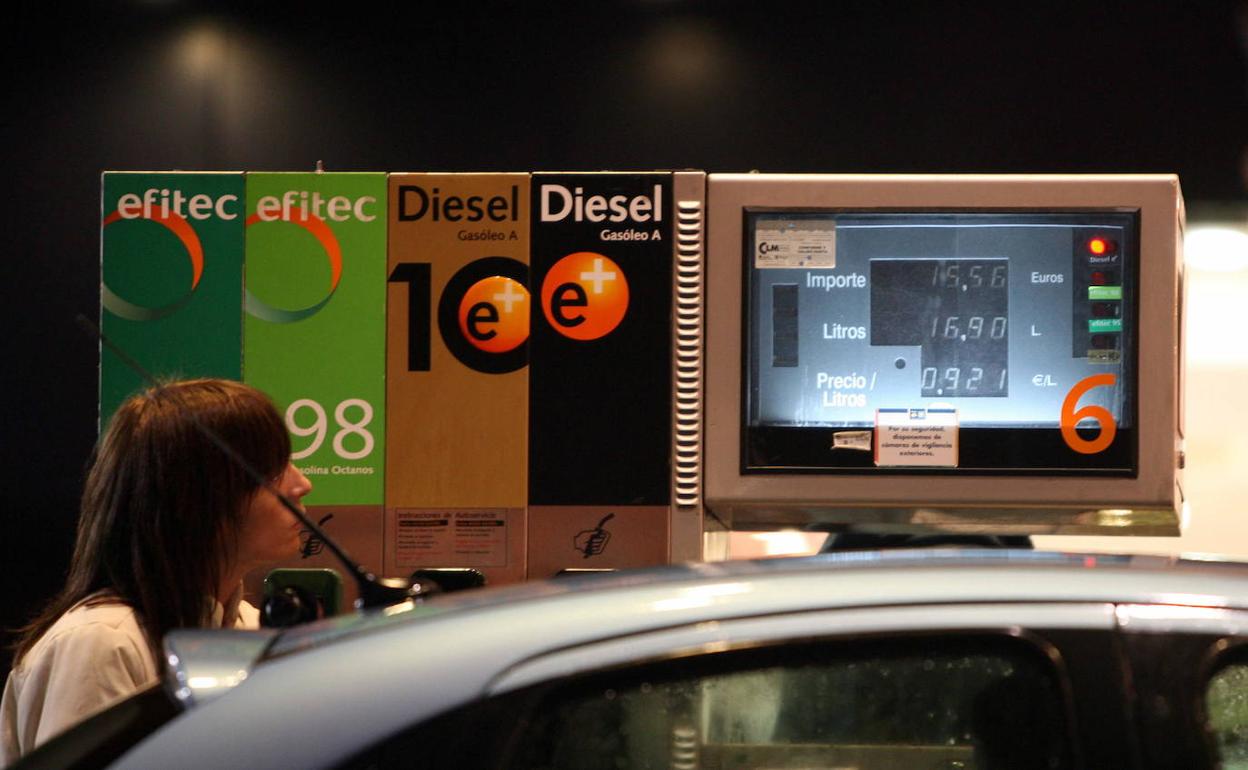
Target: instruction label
x,y
459,538
789,245
916,437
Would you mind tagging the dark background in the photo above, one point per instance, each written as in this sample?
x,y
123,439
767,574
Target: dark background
x,y
720,86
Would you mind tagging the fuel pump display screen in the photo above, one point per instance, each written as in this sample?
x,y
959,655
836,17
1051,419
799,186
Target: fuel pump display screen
x,y
1017,324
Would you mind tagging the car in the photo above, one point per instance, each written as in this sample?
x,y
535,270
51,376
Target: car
x,y
934,658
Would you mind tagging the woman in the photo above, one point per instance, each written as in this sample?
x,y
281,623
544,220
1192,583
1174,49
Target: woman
x,y
168,527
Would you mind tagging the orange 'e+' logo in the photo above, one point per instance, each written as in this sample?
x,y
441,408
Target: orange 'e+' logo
x,y
585,295
494,314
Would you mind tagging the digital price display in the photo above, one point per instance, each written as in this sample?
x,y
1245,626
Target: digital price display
x,y
956,311
997,318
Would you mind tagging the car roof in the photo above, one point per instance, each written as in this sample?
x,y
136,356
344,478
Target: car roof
x,y
919,576
356,679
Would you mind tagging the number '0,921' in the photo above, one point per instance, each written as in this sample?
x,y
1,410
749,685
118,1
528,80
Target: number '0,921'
x,y
952,378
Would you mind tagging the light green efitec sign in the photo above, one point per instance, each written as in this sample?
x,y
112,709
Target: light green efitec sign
x,y
314,332
171,266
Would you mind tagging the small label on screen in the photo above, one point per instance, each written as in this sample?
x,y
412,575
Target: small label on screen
x,y
916,437
795,244
859,440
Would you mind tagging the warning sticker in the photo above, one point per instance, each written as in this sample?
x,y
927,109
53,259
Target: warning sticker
x,y
794,245
451,537
916,437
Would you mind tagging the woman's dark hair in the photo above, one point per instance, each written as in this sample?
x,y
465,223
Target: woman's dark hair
x,y
161,504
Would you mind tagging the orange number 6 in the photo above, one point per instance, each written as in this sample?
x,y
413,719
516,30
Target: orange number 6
x,y
1072,416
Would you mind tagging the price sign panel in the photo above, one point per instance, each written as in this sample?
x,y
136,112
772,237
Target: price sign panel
x,y
458,379
171,268
315,324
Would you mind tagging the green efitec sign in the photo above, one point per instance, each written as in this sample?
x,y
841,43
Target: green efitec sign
x,y
171,266
314,332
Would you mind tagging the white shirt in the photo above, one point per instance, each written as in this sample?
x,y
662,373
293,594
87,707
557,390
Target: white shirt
x,y
91,657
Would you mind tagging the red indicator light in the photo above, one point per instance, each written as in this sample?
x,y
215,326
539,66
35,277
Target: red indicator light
x,y
1098,279
1101,246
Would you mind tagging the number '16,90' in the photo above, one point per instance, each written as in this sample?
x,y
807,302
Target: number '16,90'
x,y
951,327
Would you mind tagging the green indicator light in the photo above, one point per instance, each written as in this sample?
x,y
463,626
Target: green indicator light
x,y
1104,292
1105,325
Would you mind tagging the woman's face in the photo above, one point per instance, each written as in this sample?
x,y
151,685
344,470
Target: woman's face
x,y
268,532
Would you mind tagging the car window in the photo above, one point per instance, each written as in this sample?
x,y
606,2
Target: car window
x,y
932,703
1226,703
